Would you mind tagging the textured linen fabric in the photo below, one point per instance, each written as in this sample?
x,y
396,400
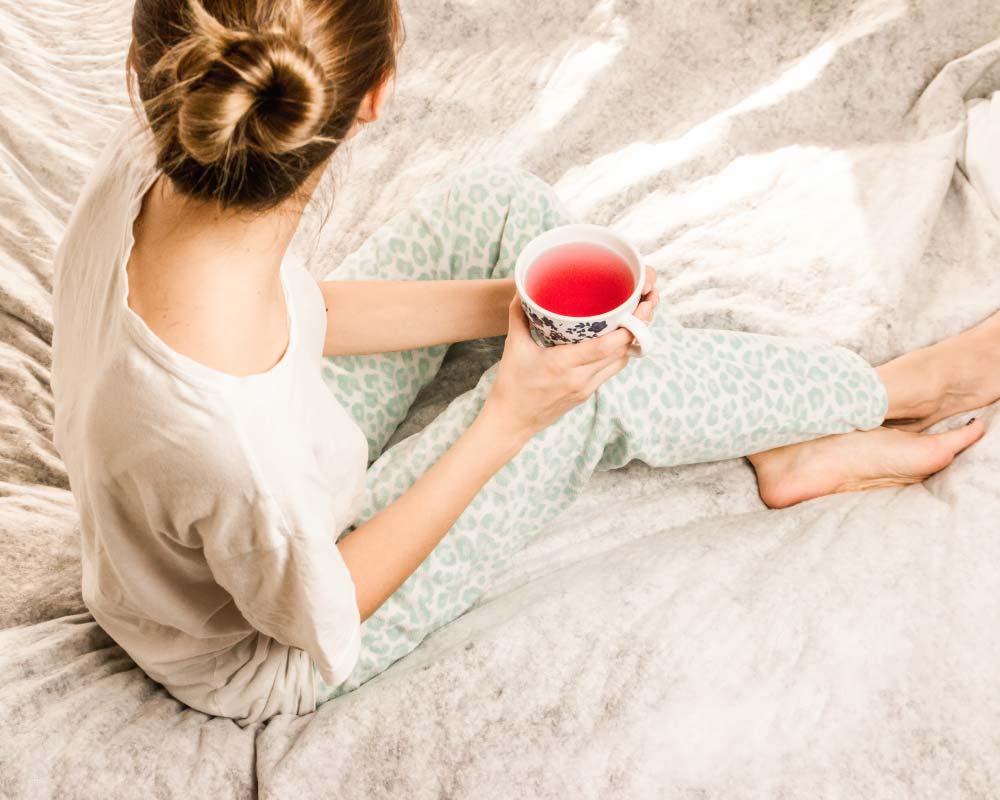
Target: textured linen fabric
x,y
209,503
979,159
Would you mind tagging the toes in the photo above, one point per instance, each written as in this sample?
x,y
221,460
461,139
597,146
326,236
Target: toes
x,y
960,438
945,446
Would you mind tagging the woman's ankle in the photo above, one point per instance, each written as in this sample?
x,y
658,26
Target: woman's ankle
x,y
915,383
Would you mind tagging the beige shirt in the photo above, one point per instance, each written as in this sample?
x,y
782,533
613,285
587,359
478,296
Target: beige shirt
x,y
209,503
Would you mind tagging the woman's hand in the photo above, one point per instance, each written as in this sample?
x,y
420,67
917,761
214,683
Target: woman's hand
x,y
649,299
536,385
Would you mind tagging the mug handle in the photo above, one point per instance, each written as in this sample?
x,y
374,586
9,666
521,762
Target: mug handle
x,y
644,343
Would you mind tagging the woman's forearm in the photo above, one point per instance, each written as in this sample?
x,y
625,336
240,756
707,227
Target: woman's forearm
x,y
384,551
381,316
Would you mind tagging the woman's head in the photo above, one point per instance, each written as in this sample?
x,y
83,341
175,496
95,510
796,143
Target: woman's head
x,y
247,98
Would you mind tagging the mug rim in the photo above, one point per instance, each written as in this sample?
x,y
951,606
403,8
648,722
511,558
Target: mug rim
x,y
520,268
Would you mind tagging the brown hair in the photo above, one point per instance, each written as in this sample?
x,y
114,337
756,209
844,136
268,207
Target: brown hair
x,y
246,98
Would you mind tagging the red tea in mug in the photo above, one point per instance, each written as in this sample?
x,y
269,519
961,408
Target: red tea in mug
x,y
579,280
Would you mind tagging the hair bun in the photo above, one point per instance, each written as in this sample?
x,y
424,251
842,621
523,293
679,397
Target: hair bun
x,y
248,90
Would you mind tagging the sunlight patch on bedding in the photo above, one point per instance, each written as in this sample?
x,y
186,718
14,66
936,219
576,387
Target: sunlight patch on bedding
x,y
570,80
799,197
592,183
566,78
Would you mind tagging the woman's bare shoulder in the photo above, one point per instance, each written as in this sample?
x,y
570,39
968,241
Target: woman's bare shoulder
x,y
198,307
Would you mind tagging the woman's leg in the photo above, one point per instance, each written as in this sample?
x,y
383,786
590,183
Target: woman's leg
x,y
703,396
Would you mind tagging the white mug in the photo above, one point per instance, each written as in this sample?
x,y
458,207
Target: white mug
x,y
556,329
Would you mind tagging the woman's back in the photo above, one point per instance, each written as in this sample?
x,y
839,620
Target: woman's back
x,y
190,516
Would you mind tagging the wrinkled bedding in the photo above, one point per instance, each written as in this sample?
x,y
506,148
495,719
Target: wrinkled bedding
x,y
787,168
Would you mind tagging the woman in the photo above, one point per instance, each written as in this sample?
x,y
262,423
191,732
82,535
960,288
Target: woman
x,y
217,408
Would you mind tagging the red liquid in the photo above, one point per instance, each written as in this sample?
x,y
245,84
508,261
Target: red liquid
x,y
579,280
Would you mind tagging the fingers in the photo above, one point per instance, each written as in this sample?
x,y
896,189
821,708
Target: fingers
x,y
644,310
593,350
650,280
654,298
586,371
514,308
650,297
517,320
612,367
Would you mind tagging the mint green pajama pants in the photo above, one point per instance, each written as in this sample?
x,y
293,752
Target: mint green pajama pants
x,y
704,395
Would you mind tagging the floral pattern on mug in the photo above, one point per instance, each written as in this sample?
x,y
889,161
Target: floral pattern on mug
x,y
562,332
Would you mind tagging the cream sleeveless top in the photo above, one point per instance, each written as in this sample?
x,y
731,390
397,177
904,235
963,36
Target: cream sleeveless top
x,y
209,503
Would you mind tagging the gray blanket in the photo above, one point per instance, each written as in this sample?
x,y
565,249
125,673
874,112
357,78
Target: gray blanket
x,y
788,167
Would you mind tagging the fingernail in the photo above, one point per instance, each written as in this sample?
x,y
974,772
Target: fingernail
x,y
971,421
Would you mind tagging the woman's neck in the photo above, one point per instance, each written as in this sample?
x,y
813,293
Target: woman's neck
x,y
252,244
208,282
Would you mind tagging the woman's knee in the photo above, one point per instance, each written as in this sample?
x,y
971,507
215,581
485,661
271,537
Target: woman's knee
x,y
503,182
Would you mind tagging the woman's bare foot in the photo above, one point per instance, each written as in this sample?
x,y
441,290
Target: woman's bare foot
x,y
957,374
850,462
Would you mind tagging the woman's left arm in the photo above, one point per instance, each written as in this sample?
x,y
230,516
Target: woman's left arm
x,y
381,316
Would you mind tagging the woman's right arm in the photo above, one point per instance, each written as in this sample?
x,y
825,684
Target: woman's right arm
x,y
383,552
534,386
